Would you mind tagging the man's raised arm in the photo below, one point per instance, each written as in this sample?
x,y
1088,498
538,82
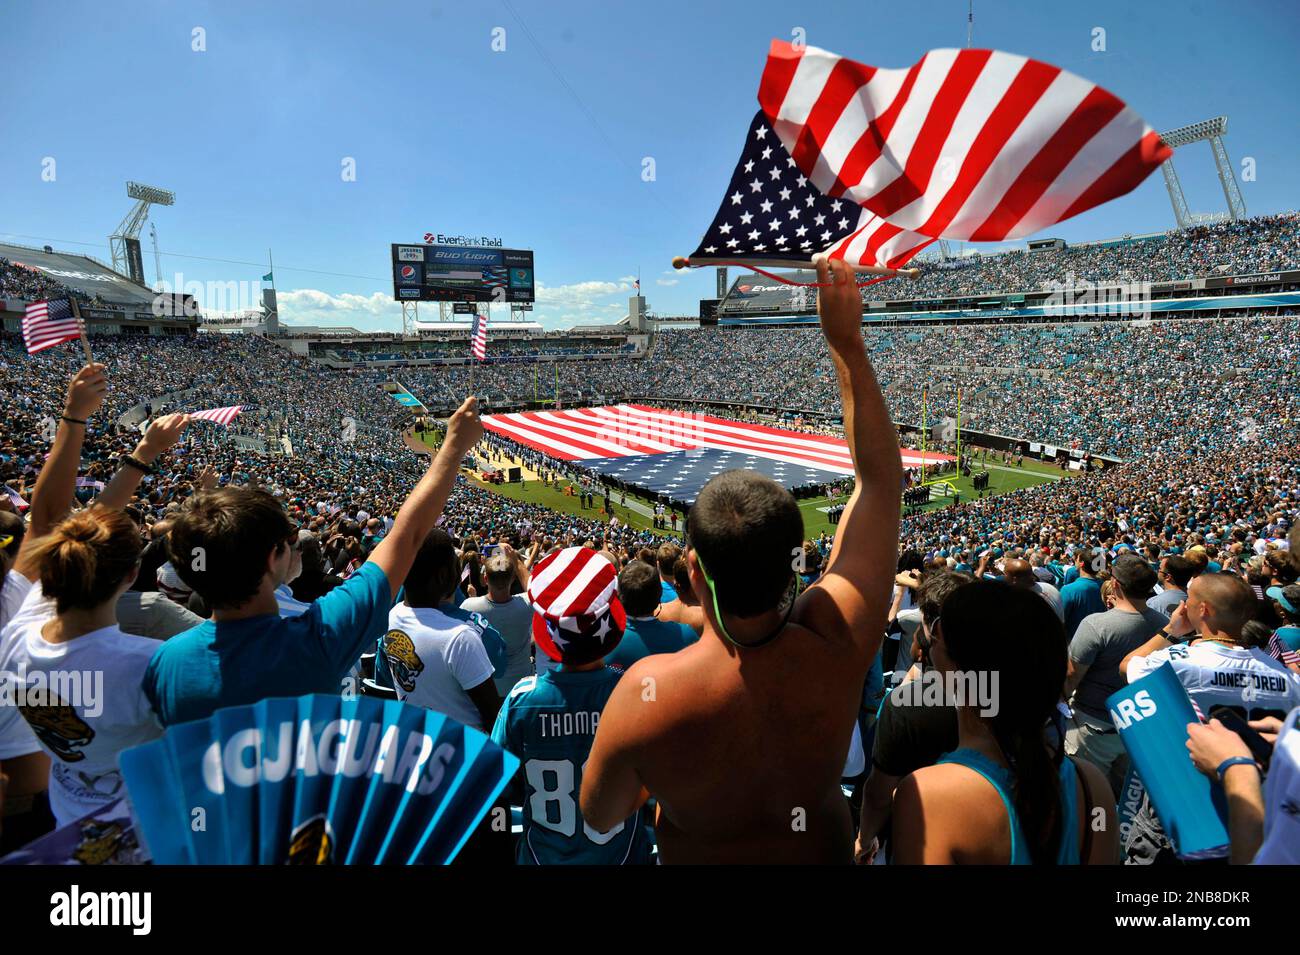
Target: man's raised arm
x,y
862,562
397,550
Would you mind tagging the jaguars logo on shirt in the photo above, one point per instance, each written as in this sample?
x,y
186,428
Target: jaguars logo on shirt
x,y
312,843
57,725
404,663
102,842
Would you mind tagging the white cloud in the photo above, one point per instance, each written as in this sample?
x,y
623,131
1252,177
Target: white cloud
x,y
374,312
666,281
557,306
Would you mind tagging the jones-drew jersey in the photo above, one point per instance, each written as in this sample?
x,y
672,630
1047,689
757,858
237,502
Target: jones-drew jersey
x,y
549,721
1249,682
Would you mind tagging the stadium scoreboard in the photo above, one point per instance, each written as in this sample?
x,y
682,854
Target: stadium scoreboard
x,y
461,273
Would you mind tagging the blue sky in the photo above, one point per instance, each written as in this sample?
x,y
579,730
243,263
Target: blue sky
x,y
541,144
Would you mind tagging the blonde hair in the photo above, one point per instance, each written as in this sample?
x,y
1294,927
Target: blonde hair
x,y
85,558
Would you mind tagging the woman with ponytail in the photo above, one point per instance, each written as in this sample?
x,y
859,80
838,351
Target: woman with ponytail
x,y
1007,794
77,675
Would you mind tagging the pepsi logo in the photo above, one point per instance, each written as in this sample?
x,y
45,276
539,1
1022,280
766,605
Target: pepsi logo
x,y
408,272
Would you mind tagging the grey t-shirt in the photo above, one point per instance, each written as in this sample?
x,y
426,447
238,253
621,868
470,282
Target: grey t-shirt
x,y
514,621
1167,601
1100,643
153,615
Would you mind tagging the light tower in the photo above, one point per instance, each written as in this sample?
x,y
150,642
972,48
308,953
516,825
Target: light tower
x,y
1213,130
124,244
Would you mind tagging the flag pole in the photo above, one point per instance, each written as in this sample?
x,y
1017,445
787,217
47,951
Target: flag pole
x,y
85,342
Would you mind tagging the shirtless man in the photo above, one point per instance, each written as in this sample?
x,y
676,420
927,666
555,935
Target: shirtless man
x,y
741,738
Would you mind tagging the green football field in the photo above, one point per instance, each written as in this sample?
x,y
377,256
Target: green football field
x,y
1002,478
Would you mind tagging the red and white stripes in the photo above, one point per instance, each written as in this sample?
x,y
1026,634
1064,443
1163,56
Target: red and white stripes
x,y
624,430
222,416
975,145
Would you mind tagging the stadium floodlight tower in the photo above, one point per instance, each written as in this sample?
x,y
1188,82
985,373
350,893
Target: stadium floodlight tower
x,y
1213,130
124,244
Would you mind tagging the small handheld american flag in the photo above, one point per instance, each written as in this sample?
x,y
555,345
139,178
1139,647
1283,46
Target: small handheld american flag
x,y
222,416
478,337
50,323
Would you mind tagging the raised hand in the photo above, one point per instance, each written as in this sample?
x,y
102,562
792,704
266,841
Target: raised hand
x,y
162,434
86,392
839,304
465,428
208,478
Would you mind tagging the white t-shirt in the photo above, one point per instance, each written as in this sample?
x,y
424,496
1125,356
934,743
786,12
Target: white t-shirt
x,y
20,598
1215,674
85,704
1281,844
1053,598
15,591
434,660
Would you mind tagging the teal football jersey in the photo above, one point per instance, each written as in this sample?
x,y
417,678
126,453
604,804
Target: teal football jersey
x,y
549,722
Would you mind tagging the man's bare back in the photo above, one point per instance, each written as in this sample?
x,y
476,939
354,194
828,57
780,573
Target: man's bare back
x,y
735,776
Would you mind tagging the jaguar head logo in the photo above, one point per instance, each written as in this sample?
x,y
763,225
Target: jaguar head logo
x,y
404,663
102,841
312,843
59,728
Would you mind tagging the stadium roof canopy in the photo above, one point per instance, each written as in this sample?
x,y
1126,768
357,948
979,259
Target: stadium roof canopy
x,y
82,274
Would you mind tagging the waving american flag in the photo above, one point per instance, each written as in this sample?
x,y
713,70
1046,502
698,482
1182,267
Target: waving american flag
x,y
977,145
46,324
222,416
478,336
872,165
773,215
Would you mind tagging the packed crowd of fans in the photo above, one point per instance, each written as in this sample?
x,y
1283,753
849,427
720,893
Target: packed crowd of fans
x,y
29,285
1089,582
1209,378
1259,244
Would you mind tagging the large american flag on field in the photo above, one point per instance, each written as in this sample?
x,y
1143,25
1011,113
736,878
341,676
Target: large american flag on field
x,y
772,215
46,324
222,416
478,337
676,453
975,145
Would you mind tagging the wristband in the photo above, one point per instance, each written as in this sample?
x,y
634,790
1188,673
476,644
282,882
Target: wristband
x,y
72,420
134,462
1233,761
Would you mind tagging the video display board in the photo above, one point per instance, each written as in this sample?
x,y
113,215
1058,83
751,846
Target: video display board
x,y
461,273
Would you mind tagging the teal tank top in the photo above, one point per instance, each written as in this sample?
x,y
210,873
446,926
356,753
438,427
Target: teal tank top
x,y
1000,778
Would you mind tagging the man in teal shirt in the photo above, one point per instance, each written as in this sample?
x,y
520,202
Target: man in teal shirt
x,y
1082,597
639,589
234,547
